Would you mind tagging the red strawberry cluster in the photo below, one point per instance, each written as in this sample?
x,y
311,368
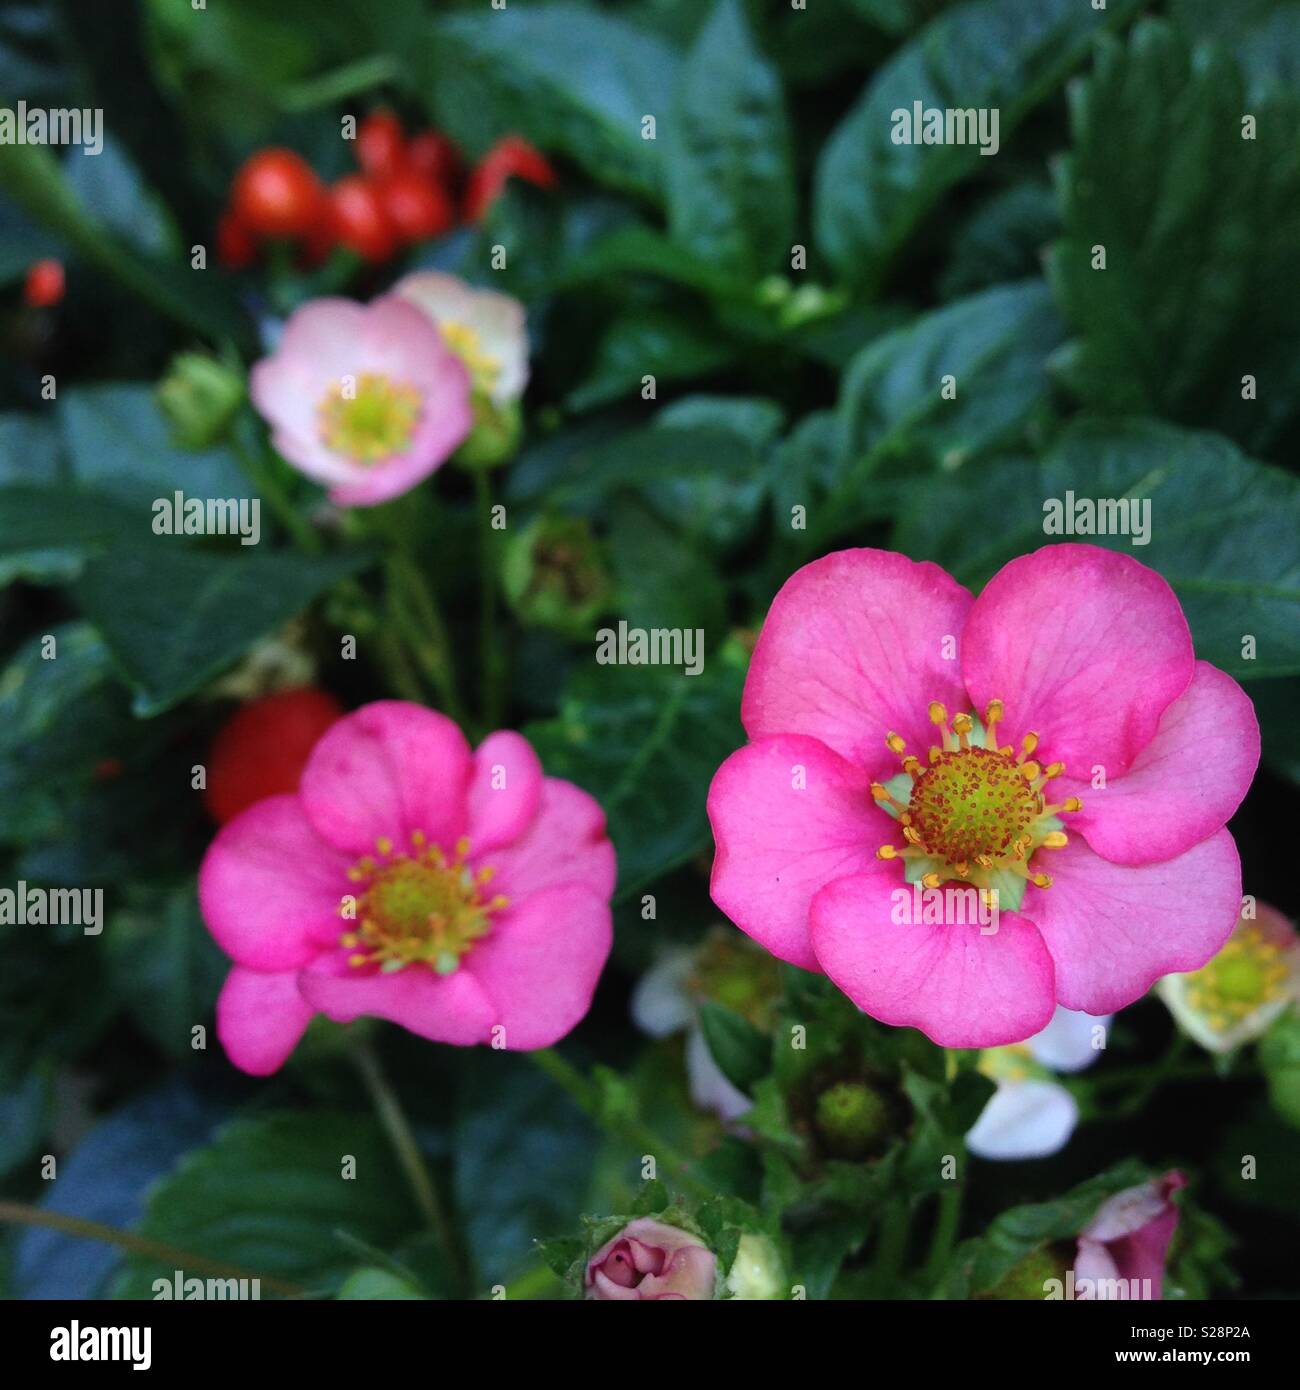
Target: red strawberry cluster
x,y
408,190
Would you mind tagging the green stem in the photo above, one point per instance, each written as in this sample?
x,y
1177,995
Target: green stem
x,y
489,653
393,1119
261,473
23,1215
536,1281
350,80
946,1224
891,1246
629,1128
419,621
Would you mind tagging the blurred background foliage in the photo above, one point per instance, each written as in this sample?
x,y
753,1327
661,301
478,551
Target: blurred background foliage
x,y
776,388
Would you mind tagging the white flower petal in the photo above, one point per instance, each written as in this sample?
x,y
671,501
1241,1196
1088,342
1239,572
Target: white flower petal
x,y
1024,1119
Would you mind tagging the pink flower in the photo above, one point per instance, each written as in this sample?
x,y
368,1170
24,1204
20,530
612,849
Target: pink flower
x,y
366,398
1080,662
648,1259
1128,1239
456,893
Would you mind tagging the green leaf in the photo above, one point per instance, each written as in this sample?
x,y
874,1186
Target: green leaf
x,y
175,618
995,345
979,1264
24,1113
1004,240
165,967
377,1284
649,343
663,580
729,173
1201,230
269,1195
700,465
1224,530
120,446
523,1155
742,1052
514,70
1263,35
60,715
36,181
49,534
640,250
645,741
1004,55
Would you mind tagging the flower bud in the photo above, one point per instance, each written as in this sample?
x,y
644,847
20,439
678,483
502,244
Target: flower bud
x,y
1031,1276
555,577
648,1259
757,1273
494,437
1122,1249
1235,996
851,1118
199,397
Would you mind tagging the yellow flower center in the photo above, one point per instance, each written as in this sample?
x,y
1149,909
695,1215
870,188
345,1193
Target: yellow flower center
x,y
466,343
418,907
369,419
974,812
1247,974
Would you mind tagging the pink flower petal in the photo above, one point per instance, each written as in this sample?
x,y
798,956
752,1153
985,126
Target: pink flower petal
x,y
260,1018
566,843
1184,785
541,961
853,647
388,769
329,339
270,887
443,1008
959,987
1114,930
1085,646
505,791
778,845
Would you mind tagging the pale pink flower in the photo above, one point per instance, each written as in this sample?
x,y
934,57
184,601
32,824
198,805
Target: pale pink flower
x,y
1091,800
486,330
364,398
651,1260
461,894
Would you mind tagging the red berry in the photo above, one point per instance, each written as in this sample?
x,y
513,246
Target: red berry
x,y
236,245
435,156
44,284
262,749
358,219
416,206
276,194
319,242
511,157
381,144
